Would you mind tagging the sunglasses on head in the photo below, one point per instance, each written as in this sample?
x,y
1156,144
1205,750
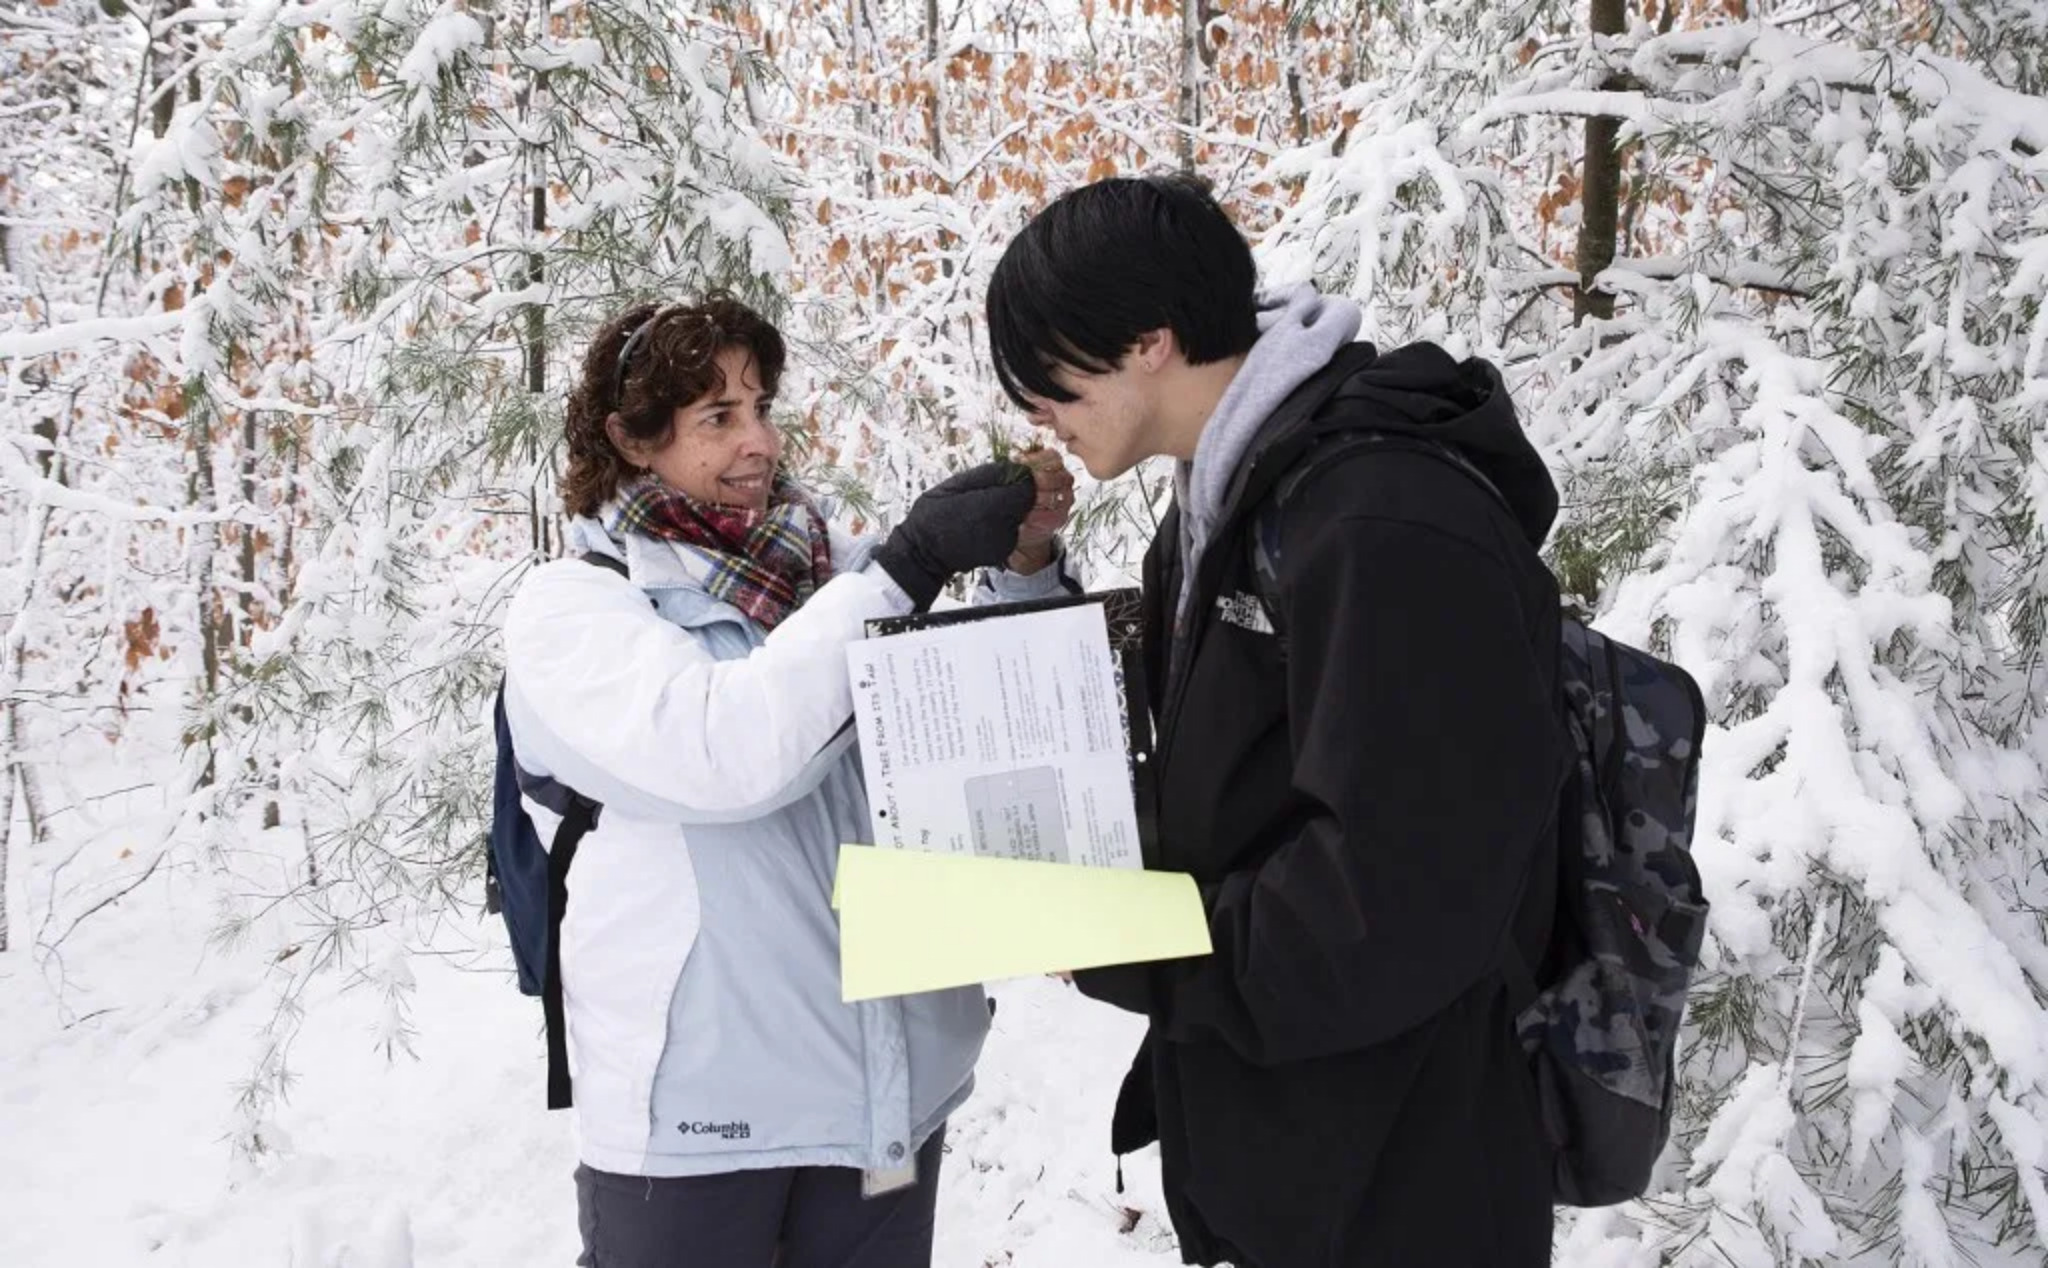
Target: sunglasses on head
x,y
632,345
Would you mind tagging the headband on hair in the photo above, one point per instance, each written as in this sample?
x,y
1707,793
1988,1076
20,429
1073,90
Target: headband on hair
x,y
632,345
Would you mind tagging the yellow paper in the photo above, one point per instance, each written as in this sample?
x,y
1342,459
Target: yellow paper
x,y
912,920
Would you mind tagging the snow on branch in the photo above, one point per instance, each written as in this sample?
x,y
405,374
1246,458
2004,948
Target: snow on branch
x,y
1641,109
1845,767
1736,275
16,474
77,334
1789,61
1663,90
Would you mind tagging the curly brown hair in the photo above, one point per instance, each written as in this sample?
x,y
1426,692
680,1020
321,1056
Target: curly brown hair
x,y
673,363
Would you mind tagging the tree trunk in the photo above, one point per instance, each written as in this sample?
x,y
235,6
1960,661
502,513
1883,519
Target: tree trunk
x,y
935,80
1297,105
247,569
8,733
247,559
531,103
864,112
14,774
15,777
1348,65
201,495
1600,192
1191,12
8,261
288,535
536,263
165,53
163,63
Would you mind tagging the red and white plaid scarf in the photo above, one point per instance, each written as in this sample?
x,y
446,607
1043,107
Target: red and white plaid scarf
x,y
765,563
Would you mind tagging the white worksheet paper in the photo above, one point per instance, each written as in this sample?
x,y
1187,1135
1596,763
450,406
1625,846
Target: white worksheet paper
x,y
1001,737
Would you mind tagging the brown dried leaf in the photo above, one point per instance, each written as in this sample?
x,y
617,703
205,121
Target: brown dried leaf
x,y
142,635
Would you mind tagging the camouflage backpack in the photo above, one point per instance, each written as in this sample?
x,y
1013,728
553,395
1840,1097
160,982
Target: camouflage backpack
x,y
1601,1028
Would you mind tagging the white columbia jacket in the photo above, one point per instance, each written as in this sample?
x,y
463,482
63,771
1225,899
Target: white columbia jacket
x,y
700,954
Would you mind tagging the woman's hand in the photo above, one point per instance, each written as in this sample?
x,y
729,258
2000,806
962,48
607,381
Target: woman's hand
x,y
966,521
1051,507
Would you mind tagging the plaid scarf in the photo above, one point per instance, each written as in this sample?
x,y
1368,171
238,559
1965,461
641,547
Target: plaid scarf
x,y
765,563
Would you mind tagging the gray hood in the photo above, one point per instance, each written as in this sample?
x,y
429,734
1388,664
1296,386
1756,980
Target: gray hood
x,y
1299,331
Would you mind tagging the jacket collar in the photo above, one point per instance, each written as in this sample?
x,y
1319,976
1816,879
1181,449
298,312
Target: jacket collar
x,y
656,567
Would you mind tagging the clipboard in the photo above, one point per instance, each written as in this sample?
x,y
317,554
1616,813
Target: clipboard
x,y
917,918
1123,615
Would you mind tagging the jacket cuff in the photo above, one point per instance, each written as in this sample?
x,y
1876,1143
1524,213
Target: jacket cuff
x,y
1000,585
899,600
1127,986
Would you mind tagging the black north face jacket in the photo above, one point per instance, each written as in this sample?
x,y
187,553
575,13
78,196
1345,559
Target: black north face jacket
x,y
1367,796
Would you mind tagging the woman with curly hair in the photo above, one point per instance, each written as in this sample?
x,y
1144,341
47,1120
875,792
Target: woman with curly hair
x,y
732,1111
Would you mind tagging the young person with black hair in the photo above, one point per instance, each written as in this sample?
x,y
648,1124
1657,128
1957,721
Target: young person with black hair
x,y
1358,753
732,1112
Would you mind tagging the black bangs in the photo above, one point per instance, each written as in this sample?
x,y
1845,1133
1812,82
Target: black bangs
x,y
1034,327
1104,264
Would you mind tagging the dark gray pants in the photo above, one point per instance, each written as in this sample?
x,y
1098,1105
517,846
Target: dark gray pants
x,y
788,1217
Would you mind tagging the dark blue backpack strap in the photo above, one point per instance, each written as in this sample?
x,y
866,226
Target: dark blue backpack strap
x,y
576,824
610,563
579,816
515,861
506,814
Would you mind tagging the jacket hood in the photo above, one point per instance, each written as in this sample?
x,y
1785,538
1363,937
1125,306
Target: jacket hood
x,y
1299,331
1421,390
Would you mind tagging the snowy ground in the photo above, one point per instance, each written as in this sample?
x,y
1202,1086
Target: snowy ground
x,y
119,1060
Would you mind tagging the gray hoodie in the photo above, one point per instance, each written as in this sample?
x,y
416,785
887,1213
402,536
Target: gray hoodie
x,y
1299,331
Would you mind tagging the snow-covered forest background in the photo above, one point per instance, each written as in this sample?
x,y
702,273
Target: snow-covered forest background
x,y
289,297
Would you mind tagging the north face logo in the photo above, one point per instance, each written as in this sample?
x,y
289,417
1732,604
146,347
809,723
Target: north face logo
x,y
1244,611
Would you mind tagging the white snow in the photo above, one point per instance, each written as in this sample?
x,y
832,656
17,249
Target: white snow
x,y
450,35
1743,1161
421,1139
188,149
1846,537
734,217
79,334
